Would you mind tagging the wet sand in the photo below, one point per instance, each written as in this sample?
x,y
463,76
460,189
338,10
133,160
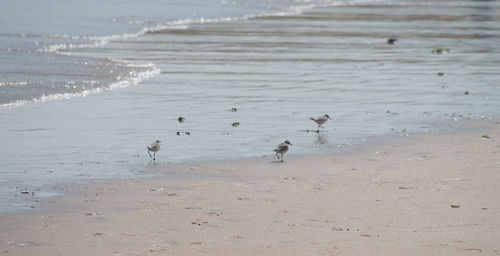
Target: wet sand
x,y
277,71
429,194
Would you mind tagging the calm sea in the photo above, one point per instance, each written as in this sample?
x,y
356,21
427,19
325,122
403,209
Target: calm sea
x,y
86,85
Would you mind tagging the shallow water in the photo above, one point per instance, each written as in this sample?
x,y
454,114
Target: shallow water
x,y
277,71
32,33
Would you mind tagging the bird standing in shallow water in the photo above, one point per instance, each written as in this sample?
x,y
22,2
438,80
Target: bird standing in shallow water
x,y
155,147
282,149
321,120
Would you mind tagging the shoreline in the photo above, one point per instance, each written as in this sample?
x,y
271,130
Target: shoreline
x,y
30,195
427,194
103,136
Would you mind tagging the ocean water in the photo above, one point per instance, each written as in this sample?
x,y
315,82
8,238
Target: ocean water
x,y
83,92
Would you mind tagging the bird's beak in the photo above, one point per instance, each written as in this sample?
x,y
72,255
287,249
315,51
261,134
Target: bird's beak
x,y
330,118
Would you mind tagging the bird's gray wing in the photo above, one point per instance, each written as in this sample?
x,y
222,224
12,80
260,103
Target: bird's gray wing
x,y
281,148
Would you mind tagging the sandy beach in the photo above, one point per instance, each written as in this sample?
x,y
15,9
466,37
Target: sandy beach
x,y
427,194
408,165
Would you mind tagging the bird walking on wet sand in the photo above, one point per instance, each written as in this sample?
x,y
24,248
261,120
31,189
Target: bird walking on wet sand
x,y
282,149
321,120
155,147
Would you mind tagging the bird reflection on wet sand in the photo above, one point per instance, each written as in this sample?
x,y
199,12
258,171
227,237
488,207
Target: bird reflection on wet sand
x,y
321,139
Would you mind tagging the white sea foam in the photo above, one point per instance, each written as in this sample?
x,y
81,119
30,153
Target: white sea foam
x,y
185,23
102,41
155,26
14,83
151,27
134,79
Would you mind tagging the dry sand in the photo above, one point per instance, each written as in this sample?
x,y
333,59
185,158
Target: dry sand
x,y
430,194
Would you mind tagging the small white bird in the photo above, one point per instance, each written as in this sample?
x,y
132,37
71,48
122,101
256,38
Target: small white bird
x,y
155,147
282,149
321,120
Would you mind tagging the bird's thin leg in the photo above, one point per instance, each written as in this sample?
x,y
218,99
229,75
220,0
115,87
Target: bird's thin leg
x,y
150,155
278,156
282,157
154,155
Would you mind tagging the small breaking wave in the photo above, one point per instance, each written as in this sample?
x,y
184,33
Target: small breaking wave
x,y
64,44
152,26
135,77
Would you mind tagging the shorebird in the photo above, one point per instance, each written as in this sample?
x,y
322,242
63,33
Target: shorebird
x,y
321,120
155,147
282,149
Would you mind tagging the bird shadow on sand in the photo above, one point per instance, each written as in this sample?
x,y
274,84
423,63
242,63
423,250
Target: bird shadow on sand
x,y
276,161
